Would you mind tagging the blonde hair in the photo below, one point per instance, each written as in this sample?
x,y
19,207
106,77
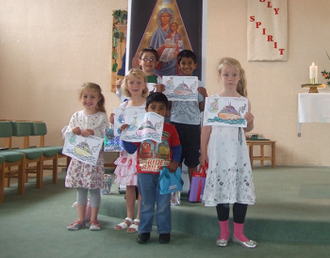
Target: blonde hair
x,y
139,74
94,87
241,85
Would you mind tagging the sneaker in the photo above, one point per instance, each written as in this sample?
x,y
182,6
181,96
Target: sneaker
x,y
76,225
143,238
94,225
164,238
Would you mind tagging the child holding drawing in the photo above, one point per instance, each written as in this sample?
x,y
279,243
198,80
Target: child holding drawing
x,y
229,175
92,120
134,86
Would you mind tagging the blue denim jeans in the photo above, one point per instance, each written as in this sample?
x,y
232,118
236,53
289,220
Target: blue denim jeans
x,y
149,190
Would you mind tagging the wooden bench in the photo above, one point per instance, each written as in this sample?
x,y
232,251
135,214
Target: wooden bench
x,y
261,157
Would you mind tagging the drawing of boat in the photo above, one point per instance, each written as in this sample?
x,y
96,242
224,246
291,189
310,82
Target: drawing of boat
x,y
83,149
229,112
183,89
146,127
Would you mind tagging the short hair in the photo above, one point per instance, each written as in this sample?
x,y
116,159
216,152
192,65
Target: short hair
x,y
188,54
157,97
139,74
151,50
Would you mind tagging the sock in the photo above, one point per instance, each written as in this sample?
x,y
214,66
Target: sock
x,y
224,230
238,232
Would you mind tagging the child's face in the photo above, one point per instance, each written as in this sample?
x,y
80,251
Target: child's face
x,y
148,63
157,107
174,27
135,86
229,77
89,100
187,66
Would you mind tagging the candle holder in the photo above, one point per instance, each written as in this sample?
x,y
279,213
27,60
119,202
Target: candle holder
x,y
313,87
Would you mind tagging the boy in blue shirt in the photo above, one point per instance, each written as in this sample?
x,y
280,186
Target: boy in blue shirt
x,y
186,115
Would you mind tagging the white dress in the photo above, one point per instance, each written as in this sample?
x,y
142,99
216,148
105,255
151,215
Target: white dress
x,y
79,174
229,176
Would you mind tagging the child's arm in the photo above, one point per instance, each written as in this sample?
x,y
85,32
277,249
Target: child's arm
x,y
249,117
201,98
130,147
176,156
205,136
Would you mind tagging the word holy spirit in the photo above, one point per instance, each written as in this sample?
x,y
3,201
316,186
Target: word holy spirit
x,y
269,38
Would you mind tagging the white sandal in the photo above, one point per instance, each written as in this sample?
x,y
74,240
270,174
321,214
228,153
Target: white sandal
x,y
135,226
123,225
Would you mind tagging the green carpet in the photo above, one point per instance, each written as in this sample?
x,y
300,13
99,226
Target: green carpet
x,y
290,219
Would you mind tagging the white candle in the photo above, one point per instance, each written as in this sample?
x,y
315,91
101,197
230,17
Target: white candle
x,y
313,73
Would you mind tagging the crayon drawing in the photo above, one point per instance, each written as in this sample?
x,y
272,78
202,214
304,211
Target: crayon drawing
x,y
122,113
148,126
84,149
181,88
225,111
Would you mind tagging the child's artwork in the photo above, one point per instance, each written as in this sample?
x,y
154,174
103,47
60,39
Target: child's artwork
x,y
181,88
122,113
85,149
112,143
148,126
225,111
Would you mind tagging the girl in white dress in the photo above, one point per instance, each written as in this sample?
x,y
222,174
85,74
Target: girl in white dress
x,y
225,152
92,120
134,86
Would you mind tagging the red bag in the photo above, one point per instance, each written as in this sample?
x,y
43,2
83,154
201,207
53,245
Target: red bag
x,y
197,185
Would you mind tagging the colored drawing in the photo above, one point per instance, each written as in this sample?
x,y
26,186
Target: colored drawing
x,y
85,149
112,143
122,113
181,88
225,111
148,126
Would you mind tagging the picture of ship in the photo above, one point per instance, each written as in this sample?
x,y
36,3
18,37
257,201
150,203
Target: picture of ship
x,y
229,112
83,149
145,128
183,89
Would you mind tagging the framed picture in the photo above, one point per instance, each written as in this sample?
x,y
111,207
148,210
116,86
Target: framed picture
x,y
169,26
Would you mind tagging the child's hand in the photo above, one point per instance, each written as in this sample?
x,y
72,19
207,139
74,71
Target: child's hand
x,y
173,166
249,117
159,87
118,83
76,130
112,118
87,132
123,127
202,91
204,160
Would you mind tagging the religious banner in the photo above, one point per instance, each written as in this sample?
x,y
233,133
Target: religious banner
x,y
168,26
267,30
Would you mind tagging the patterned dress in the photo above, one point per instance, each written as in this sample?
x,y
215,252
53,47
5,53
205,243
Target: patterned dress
x,y
126,173
229,176
79,174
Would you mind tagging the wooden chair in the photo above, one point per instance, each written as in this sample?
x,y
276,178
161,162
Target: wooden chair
x,y
10,159
22,129
39,129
